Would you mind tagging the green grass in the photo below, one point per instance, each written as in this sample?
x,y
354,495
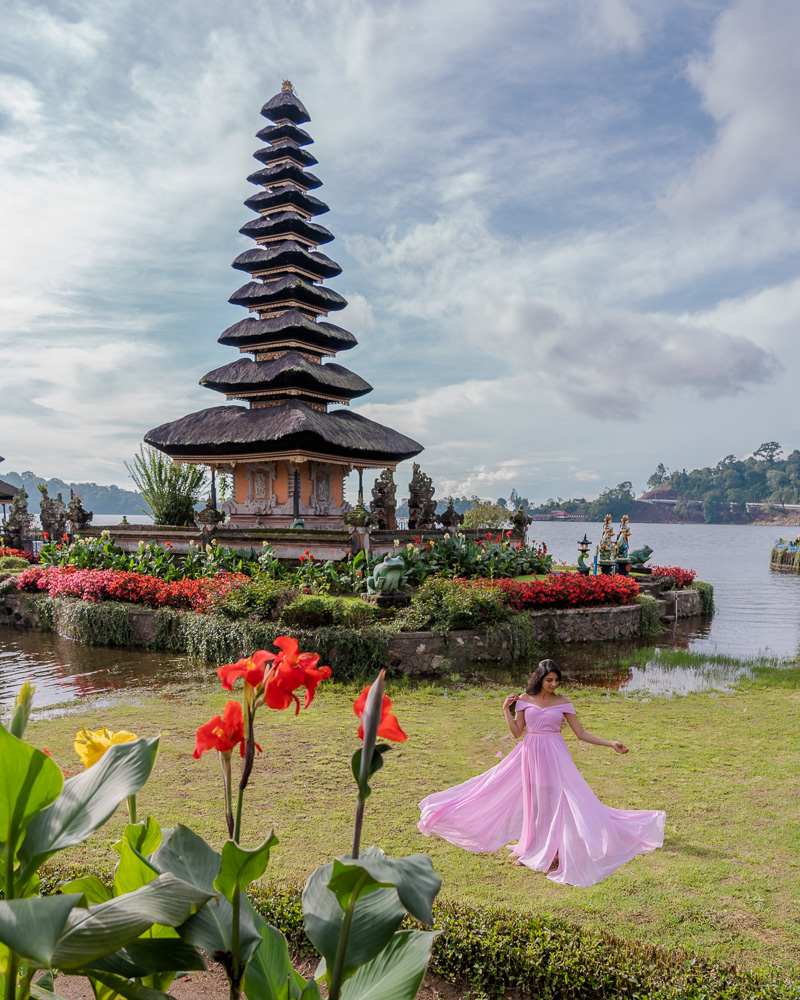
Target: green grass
x,y
726,769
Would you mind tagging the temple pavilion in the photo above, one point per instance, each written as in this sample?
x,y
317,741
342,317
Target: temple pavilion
x,y
287,450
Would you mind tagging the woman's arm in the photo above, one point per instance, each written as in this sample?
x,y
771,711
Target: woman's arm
x,y
581,733
516,723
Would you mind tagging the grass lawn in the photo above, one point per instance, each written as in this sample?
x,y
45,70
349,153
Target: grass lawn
x,y
725,768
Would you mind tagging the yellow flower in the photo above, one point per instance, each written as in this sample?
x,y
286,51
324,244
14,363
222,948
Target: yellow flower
x,y
90,745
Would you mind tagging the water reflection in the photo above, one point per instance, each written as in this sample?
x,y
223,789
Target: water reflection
x,y
64,671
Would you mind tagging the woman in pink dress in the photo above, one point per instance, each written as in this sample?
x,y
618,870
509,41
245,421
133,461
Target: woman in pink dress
x,y
537,797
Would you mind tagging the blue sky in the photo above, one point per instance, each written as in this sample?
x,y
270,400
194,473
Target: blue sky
x,y
569,229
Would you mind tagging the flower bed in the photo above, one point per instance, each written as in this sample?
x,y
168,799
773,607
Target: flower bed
x,y
18,553
568,590
682,577
119,585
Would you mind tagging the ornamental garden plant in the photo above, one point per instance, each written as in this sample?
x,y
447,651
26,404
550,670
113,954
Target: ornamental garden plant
x,y
173,895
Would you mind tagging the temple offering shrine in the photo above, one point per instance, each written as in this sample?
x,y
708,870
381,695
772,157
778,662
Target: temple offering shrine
x,y
287,451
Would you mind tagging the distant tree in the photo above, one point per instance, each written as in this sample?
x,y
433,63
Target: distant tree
x,y
769,451
661,475
484,514
615,501
501,502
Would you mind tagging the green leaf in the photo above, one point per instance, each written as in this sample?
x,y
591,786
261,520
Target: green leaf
x,y
100,930
22,710
241,867
212,928
396,973
413,877
188,856
269,973
310,991
118,985
132,871
376,917
352,881
143,837
41,989
32,927
376,763
144,957
93,889
87,801
29,782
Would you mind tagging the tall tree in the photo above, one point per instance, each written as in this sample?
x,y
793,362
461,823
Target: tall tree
x,y
769,451
661,475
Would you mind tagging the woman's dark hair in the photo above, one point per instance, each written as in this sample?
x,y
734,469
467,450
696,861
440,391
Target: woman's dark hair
x,y
535,680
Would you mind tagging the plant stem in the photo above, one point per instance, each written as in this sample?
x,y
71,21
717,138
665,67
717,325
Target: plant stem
x,y
344,936
12,966
132,808
357,825
237,826
235,973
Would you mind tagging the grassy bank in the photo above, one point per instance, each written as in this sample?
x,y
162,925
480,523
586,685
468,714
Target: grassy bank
x,y
725,768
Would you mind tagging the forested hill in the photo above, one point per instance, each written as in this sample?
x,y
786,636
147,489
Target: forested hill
x,y
98,499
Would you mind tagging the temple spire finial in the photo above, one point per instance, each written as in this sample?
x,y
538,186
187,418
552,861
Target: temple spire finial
x,y
287,86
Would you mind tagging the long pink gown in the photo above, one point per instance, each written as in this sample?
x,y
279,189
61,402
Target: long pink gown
x,y
537,797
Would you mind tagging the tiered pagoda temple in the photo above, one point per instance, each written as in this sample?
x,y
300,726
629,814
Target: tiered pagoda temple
x,y
287,451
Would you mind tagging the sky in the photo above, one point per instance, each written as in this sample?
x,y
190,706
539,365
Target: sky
x,y
569,229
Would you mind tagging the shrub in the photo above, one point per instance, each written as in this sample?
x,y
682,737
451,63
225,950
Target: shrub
x,y
13,563
568,590
706,592
315,611
29,557
170,491
649,617
260,597
442,605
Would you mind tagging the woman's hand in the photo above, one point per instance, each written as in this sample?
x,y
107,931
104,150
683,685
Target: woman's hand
x,y
509,701
619,747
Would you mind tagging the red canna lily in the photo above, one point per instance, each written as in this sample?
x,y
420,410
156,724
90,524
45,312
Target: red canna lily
x,y
293,669
222,734
251,668
389,728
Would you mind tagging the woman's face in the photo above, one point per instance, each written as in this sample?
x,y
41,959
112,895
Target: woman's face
x,y
550,683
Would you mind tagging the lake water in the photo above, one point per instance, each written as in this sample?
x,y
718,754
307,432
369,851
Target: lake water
x,y
757,615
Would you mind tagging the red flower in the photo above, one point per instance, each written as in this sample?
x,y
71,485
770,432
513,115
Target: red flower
x,y
222,734
46,536
292,670
251,668
389,728
65,537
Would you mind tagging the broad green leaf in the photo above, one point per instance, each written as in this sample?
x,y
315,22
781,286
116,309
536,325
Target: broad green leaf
x,y
32,927
189,857
376,917
93,889
352,881
311,991
396,973
376,763
118,985
143,837
144,957
212,928
100,930
87,801
269,973
241,867
29,782
132,871
40,990
413,877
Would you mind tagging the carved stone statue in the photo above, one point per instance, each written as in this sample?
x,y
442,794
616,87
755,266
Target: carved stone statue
x,y
18,526
421,505
386,576
384,503
53,515
76,515
638,557
520,522
623,540
450,520
605,555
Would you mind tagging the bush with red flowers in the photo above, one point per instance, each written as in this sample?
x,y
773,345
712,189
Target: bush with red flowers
x,y
17,553
120,585
682,577
568,590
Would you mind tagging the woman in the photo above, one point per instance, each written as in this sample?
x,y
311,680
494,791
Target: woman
x,y
537,797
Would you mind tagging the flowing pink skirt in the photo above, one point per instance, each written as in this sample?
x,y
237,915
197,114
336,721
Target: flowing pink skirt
x,y
538,798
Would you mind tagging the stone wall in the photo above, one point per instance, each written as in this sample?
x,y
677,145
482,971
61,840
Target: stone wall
x,y
586,624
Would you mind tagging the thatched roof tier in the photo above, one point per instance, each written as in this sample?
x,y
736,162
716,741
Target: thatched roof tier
x,y
291,288
289,329
291,430
275,133
284,198
286,226
248,379
285,105
282,150
285,172
8,492
287,256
